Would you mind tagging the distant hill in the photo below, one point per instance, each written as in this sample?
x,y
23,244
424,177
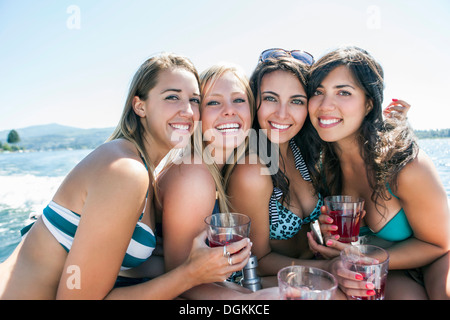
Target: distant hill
x,y
55,136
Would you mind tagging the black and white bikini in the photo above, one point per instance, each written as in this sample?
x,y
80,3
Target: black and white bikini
x,y
284,224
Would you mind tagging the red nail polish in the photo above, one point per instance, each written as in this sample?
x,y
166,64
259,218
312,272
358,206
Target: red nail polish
x,y
395,100
358,277
370,286
329,243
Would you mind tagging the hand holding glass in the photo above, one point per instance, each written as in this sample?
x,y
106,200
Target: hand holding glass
x,y
306,283
346,213
224,228
372,263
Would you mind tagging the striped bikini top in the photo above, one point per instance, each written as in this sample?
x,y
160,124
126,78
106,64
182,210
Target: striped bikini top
x,y
284,224
63,223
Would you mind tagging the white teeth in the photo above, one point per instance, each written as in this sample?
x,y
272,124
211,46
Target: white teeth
x,y
329,121
228,127
280,126
180,126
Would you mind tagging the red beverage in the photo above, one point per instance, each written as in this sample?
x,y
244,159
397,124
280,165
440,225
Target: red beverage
x,y
223,239
347,223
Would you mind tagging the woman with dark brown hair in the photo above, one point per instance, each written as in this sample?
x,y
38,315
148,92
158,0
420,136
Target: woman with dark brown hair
x,y
379,160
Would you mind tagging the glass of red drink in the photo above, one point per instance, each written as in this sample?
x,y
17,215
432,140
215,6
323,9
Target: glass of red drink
x,y
346,213
372,263
224,228
306,283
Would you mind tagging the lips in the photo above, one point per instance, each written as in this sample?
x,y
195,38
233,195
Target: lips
x,y
181,127
328,122
229,128
279,126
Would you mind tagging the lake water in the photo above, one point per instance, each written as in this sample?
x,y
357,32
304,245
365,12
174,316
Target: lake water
x,y
28,181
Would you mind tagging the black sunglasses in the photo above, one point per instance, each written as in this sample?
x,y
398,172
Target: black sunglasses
x,y
296,54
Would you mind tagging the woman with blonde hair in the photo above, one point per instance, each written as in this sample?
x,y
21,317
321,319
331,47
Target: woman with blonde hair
x,y
193,187
101,221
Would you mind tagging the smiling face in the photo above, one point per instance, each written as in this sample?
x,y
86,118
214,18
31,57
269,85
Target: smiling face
x,y
225,112
338,106
171,109
283,107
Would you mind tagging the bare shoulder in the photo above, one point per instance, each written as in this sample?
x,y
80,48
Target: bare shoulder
x,y
419,176
186,180
251,176
112,162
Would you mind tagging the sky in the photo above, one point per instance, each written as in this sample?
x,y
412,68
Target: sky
x,y
71,61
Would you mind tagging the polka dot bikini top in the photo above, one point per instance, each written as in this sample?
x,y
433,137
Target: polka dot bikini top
x,y
284,224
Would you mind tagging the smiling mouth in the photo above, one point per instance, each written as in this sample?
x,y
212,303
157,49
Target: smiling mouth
x,y
181,127
279,126
229,128
326,123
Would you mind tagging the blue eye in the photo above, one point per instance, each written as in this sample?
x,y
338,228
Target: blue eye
x,y
239,100
213,103
195,100
298,102
270,98
172,97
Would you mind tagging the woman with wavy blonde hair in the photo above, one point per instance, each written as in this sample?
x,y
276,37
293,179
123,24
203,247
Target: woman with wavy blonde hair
x,y
226,113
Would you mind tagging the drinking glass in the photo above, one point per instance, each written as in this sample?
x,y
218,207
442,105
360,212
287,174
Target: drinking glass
x,y
306,283
346,214
372,263
224,228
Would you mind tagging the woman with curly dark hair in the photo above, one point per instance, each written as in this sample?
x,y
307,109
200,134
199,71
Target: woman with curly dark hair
x,y
379,160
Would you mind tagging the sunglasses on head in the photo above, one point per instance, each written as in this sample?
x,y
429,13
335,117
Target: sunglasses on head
x,y
275,53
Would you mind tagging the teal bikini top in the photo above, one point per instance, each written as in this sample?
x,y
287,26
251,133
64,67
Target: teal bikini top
x,y
397,229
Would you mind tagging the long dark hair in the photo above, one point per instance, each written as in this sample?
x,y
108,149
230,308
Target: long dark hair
x,y
386,145
299,70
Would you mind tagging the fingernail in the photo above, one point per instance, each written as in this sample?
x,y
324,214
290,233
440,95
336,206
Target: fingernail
x,y
329,243
336,237
329,220
334,228
370,286
358,276
394,100
370,292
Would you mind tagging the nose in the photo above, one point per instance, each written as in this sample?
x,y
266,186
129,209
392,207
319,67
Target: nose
x,y
229,109
282,111
187,110
326,103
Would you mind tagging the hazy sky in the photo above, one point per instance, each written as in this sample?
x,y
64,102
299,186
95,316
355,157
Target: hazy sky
x,y
70,62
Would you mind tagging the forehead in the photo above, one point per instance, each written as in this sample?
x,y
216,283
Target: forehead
x,y
339,74
228,81
177,78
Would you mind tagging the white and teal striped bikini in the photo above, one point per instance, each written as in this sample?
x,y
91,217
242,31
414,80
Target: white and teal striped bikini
x,y
63,224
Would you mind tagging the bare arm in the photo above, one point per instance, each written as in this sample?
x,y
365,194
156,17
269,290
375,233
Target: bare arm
x,y
424,200
188,196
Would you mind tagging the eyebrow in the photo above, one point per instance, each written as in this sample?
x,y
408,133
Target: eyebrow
x,y
177,90
276,94
340,86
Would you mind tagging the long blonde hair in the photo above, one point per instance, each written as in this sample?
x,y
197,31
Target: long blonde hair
x,y
130,126
221,177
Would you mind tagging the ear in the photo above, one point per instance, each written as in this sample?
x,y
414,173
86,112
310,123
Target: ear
x,y
369,106
138,106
